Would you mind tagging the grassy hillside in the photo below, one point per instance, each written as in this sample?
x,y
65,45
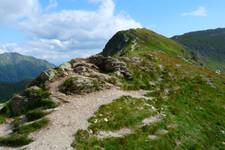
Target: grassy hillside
x,y
188,98
183,107
137,41
209,46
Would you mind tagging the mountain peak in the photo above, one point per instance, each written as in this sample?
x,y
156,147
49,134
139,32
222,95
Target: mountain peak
x,y
140,40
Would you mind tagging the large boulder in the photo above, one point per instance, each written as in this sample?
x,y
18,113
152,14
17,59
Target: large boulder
x,y
66,67
81,85
17,103
84,68
28,99
48,75
45,77
109,64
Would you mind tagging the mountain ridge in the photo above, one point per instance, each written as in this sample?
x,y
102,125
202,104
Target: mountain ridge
x,y
142,38
150,96
208,45
15,67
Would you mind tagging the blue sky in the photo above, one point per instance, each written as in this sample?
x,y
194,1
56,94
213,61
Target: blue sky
x,y
58,30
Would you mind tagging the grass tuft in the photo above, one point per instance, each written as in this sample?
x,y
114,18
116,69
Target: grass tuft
x,y
15,140
20,135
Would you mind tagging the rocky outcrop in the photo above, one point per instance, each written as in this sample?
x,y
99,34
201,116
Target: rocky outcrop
x,y
17,103
109,64
81,85
116,44
32,97
93,74
45,77
80,76
83,67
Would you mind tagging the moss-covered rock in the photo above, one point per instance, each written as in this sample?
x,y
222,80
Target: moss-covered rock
x,y
81,85
31,98
110,65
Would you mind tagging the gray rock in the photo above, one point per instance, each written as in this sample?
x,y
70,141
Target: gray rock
x,y
81,85
109,64
17,103
66,67
49,74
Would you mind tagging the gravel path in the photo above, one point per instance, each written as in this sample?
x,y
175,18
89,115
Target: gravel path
x,y
71,116
5,129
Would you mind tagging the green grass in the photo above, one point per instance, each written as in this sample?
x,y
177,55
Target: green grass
x,y
15,140
123,112
20,135
41,104
196,110
35,114
138,140
31,127
39,99
147,41
4,113
191,97
37,93
2,119
210,49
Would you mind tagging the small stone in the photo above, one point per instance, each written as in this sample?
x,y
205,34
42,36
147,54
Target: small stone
x,y
162,132
218,72
153,137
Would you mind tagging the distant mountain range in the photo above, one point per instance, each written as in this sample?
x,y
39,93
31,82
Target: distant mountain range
x,y
208,45
17,70
8,89
15,67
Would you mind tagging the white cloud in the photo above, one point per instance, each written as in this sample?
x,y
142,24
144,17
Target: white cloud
x,y
52,4
199,12
61,35
13,10
42,49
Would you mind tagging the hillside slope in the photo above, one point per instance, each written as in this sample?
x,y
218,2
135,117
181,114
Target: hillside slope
x,y
15,67
139,98
7,90
16,71
209,46
137,41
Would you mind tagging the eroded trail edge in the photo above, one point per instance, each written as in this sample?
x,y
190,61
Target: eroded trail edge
x,y
66,119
